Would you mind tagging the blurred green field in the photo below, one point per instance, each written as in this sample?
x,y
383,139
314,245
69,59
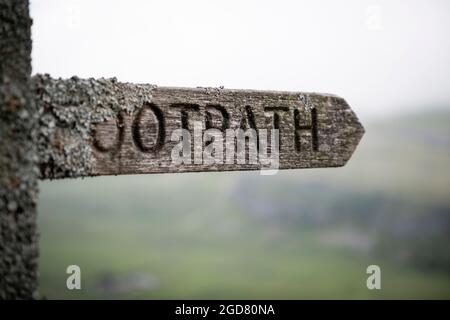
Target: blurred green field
x,y
300,234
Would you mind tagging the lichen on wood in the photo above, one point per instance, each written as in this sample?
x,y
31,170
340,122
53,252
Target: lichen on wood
x,y
68,111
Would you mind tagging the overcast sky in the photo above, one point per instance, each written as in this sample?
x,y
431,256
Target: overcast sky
x,y
381,56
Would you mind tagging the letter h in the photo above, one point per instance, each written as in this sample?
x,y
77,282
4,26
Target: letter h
x,y
312,127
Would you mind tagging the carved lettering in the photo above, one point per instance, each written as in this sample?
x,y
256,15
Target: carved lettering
x,y
301,126
149,128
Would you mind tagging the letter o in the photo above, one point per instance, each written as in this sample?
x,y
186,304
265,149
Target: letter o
x,y
101,132
147,112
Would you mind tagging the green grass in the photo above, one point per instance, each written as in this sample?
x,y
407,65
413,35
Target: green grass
x,y
247,264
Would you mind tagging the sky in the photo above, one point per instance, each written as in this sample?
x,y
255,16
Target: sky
x,y
383,57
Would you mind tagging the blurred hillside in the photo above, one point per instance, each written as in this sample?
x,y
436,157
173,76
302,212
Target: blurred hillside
x,y
298,234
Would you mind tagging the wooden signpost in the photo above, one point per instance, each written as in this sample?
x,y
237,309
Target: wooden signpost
x,y
53,128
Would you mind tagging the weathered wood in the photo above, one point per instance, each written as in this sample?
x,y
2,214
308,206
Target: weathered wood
x,y
18,159
103,127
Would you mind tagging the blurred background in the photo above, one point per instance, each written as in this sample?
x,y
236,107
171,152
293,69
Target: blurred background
x,y
301,234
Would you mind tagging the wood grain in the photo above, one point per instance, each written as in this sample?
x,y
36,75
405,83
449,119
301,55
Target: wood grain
x,y
130,132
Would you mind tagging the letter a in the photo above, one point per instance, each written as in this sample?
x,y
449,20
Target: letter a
x,y
74,280
373,281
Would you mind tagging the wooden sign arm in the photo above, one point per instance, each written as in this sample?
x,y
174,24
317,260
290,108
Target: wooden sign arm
x,y
92,127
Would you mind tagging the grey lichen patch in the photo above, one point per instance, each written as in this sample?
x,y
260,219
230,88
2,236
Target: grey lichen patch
x,y
69,108
305,99
212,90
